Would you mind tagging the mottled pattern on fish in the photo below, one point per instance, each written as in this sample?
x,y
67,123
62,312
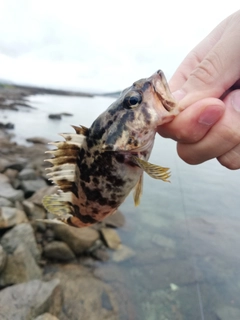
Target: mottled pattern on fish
x,y
96,168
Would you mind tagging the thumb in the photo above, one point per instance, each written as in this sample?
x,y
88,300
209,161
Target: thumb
x,y
217,71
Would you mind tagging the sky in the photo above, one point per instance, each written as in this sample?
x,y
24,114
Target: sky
x,y
100,45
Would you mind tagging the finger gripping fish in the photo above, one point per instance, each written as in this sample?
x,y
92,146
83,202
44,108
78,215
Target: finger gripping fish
x,y
96,168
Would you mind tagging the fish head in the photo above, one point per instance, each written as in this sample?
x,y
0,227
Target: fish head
x,y
130,123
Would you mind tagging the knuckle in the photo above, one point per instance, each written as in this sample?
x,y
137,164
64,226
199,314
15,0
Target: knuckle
x,y
208,69
185,153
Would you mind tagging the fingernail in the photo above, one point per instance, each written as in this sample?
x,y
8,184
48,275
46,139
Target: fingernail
x,y
179,94
235,100
210,115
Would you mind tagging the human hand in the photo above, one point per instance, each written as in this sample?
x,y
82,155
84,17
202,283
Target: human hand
x,y
207,85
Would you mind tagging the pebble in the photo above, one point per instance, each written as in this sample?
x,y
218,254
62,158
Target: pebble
x,y
8,192
5,203
123,253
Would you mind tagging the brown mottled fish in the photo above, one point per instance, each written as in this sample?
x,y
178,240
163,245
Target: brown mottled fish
x,y
96,168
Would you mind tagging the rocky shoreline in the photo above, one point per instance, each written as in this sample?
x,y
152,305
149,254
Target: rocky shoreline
x,y
47,270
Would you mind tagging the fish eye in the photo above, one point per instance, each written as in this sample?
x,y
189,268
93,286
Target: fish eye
x,y
132,100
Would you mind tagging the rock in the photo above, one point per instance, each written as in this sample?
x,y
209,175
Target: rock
x,y
8,192
3,258
115,220
163,241
31,186
46,316
39,194
33,211
123,253
9,217
3,164
20,234
5,203
27,174
111,238
4,178
84,296
66,114
38,140
20,267
55,116
58,250
101,254
7,125
79,240
18,164
227,313
11,174
28,300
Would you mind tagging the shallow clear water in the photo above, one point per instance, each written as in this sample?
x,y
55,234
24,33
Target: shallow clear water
x,y
186,234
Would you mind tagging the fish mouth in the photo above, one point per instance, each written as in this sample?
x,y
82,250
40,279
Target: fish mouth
x,y
162,91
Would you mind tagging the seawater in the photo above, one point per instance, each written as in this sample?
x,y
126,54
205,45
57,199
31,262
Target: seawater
x,y
185,234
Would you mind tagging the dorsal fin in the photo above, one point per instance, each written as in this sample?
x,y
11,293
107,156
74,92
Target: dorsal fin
x,y
63,172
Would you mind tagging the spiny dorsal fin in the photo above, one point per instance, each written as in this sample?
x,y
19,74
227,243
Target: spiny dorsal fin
x,y
63,173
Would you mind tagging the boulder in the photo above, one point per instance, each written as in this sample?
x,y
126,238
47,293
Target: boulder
x,y
20,267
21,234
28,300
79,240
10,217
58,250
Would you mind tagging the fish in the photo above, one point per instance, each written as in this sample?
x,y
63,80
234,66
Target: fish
x,y
96,168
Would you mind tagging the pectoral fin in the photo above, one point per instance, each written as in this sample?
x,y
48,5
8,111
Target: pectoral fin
x,y
153,170
138,191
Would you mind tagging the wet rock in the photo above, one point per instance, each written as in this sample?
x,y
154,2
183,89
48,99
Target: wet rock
x,y
123,253
79,240
20,267
33,211
5,203
20,234
9,217
8,192
55,116
3,258
27,174
111,238
38,140
58,250
39,194
227,313
84,296
101,254
115,220
28,300
31,186
46,316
